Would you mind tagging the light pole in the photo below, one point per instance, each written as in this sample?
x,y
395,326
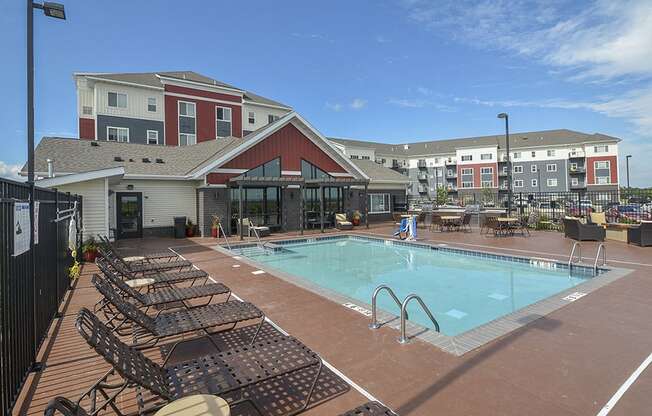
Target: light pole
x,y
509,163
56,11
627,163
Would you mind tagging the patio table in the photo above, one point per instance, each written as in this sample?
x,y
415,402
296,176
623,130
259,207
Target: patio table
x,y
450,221
507,223
197,405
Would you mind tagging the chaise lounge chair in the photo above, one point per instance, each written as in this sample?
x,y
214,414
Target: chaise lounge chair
x,y
370,409
149,257
162,278
143,267
220,374
641,235
575,230
165,295
342,223
147,330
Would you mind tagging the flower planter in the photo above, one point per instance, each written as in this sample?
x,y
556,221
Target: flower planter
x,y
190,232
90,256
215,232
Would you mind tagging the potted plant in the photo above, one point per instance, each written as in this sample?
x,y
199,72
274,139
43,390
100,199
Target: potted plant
x,y
89,250
215,226
356,217
190,229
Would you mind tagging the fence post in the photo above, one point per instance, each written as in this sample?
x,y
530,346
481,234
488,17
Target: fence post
x,y
56,249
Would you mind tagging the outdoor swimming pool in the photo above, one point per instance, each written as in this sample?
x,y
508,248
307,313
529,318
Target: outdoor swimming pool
x,y
462,289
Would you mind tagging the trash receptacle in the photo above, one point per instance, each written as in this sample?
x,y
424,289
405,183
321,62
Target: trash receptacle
x,y
179,227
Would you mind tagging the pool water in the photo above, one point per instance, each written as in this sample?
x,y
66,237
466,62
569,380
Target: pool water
x,y
461,290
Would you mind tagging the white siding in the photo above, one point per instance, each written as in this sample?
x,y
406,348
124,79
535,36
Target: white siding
x,y
85,98
94,205
261,115
162,201
136,101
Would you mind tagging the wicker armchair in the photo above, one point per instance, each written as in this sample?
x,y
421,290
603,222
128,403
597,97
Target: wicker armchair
x,y
575,230
641,235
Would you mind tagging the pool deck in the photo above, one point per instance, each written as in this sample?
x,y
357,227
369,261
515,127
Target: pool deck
x,y
570,362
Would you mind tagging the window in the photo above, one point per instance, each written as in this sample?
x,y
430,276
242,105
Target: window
x,y
152,136
533,168
365,158
551,153
449,172
354,157
467,184
551,182
518,183
487,184
602,164
117,134
600,149
534,154
486,156
379,203
187,124
575,181
602,180
252,117
504,169
573,166
87,110
467,171
467,158
517,155
436,160
551,167
272,118
310,171
223,121
518,169
487,171
117,100
151,104
534,183
271,169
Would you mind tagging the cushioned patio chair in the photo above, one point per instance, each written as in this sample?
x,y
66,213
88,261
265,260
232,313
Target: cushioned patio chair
x,y
149,257
252,228
598,218
165,295
225,373
641,235
143,267
126,319
370,409
575,230
154,280
342,223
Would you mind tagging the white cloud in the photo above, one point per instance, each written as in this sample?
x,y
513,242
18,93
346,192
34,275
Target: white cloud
x,y
334,106
419,103
10,171
358,103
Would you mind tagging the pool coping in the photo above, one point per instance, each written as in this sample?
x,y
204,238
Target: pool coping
x,y
467,341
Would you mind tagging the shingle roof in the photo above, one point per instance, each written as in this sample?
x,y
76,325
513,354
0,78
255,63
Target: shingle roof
x,y
517,140
379,173
152,80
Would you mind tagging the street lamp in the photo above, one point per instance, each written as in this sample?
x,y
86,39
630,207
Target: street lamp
x,y
509,163
627,163
54,10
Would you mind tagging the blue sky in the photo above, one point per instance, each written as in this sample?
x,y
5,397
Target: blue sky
x,y
389,70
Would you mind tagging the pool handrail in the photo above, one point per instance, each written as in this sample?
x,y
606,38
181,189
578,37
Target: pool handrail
x,y
374,322
577,246
224,234
404,339
601,249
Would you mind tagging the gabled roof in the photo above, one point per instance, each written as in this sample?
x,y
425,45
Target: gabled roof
x,y
379,173
153,80
558,137
81,177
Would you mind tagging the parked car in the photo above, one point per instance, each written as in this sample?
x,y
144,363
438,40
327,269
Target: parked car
x,y
628,212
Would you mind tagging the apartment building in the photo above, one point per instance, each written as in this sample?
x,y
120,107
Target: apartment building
x,y
168,108
542,161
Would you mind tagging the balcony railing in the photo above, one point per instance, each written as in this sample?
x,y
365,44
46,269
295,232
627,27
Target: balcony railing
x,y
421,164
450,162
576,153
577,170
423,189
580,185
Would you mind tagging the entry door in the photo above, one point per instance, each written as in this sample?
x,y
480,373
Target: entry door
x,y
129,206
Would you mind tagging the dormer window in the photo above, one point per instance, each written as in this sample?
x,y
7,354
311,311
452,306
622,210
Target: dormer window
x,y
117,100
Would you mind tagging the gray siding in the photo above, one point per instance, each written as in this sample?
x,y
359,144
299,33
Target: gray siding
x,y
542,175
213,201
435,176
137,128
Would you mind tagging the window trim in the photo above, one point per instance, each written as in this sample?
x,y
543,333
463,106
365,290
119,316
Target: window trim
x,y
230,120
534,183
117,129
117,101
147,136
518,183
179,115
155,105
608,162
549,165
491,170
534,168
604,146
465,182
482,156
467,169
552,179
470,158
251,117
520,169
389,203
575,181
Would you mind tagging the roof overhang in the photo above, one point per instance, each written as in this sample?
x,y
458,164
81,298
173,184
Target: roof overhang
x,y
111,173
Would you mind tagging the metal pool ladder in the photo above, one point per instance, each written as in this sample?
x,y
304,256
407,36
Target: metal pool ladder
x,y
224,234
404,339
577,246
601,249
374,322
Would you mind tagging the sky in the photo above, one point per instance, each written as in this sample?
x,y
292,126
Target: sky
x,y
388,70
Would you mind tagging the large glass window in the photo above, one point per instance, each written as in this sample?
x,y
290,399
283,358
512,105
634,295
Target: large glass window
x,y
271,169
379,203
187,124
310,171
223,121
261,205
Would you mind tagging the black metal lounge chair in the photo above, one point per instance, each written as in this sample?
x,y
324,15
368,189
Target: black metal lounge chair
x,y
165,295
575,230
370,409
161,278
148,257
147,330
143,267
219,374
640,235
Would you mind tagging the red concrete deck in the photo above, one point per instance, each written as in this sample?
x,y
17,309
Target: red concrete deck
x,y
570,362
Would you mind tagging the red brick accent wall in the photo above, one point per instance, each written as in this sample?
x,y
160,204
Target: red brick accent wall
x,y
590,168
86,128
477,181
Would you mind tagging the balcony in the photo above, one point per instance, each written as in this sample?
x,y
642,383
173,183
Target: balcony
x,y
421,164
579,185
502,173
451,188
422,176
577,170
422,189
576,154
450,162
452,175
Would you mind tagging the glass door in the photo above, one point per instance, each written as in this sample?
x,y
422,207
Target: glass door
x,y
129,206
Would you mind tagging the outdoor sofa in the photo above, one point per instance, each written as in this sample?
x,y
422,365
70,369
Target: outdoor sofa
x,y
641,235
574,229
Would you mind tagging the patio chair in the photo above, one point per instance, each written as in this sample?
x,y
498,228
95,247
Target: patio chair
x,y
641,235
155,280
465,224
165,295
143,267
147,330
436,222
224,374
575,230
261,231
492,224
342,223
485,222
370,409
598,218
149,257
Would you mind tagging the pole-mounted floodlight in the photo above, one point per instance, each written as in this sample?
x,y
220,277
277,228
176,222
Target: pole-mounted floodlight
x,y
50,9
509,163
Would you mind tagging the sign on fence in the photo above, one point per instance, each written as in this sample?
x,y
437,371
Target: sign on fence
x,y
22,228
37,206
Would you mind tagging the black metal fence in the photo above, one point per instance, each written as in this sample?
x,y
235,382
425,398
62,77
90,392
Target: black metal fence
x,y
618,205
28,304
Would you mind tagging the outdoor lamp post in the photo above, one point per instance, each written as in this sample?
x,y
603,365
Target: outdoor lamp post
x,y
56,11
509,163
627,163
